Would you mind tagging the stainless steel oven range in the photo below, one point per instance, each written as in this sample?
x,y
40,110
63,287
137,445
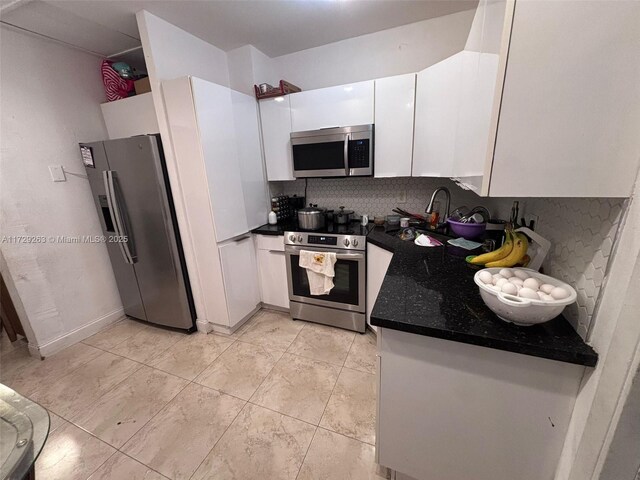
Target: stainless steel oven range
x,y
344,306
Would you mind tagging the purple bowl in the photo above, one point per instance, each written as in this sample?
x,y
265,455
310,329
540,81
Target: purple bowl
x,y
469,231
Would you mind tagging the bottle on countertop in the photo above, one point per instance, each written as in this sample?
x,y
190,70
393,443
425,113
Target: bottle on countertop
x,y
273,218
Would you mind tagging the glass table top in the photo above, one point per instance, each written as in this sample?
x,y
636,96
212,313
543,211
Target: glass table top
x,y
24,428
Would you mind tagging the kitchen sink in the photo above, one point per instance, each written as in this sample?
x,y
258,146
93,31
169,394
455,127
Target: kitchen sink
x,y
441,234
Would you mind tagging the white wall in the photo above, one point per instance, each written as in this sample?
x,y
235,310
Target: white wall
x,y
50,101
176,53
615,335
405,49
248,66
623,458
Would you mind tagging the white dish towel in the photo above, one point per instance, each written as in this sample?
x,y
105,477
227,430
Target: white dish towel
x,y
320,272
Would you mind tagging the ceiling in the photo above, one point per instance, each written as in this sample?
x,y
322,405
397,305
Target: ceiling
x,y
274,27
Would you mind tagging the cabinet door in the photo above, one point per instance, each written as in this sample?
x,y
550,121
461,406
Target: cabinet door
x,y
214,111
394,102
275,119
340,106
240,274
272,269
378,260
482,74
477,86
569,118
254,183
437,100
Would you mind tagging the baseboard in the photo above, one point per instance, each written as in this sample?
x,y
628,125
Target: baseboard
x,y
204,326
223,329
268,306
77,335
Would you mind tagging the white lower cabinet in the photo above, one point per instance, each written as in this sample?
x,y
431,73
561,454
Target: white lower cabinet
x,y
272,271
451,411
378,260
240,280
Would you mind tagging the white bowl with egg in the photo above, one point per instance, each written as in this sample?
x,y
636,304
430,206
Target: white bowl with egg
x,y
515,299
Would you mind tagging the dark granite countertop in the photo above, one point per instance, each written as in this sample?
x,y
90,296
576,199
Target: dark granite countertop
x,y
277,229
353,228
430,291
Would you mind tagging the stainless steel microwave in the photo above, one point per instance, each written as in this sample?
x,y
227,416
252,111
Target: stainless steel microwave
x,y
333,152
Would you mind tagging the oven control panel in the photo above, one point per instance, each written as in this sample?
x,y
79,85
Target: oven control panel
x,y
322,240
347,242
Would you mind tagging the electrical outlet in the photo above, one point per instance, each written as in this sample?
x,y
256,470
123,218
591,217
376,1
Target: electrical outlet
x,y
402,196
57,173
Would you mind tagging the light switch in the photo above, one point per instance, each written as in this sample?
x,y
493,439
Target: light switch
x,y
57,173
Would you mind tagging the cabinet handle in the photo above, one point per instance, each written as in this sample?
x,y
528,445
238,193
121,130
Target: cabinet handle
x,y
276,251
241,239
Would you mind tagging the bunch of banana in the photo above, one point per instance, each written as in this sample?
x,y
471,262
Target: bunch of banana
x,y
512,252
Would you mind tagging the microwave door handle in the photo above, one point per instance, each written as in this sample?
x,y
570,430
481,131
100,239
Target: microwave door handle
x,y
347,137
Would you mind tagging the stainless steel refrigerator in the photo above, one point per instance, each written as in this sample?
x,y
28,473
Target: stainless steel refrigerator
x,y
132,195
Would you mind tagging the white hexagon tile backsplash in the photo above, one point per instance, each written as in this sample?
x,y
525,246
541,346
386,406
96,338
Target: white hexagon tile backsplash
x,y
582,231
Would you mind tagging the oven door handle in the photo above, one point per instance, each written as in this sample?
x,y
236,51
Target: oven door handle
x,y
350,256
347,137
340,256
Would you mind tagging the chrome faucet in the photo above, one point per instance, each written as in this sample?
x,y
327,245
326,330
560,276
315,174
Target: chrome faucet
x,y
429,208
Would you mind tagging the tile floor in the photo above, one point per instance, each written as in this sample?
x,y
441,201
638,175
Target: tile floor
x,y
276,400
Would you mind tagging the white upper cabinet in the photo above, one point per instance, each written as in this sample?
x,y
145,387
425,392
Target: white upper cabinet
x,y
436,118
570,112
254,184
214,110
475,103
394,107
275,118
130,116
340,106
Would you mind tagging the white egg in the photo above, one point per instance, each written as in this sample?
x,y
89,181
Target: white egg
x,y
501,282
521,274
495,288
485,277
528,293
541,295
548,298
510,288
531,283
516,281
497,277
547,288
559,293
506,273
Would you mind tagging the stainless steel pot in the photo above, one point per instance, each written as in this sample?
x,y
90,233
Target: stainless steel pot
x,y
311,218
342,217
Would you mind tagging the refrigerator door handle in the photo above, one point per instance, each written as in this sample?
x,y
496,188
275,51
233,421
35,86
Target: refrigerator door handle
x,y
116,218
